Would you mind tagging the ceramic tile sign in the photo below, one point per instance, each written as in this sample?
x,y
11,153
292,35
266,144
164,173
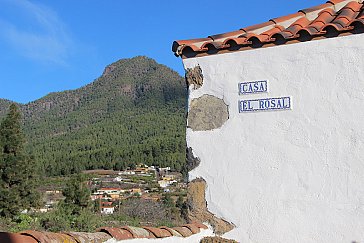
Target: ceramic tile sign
x,y
253,87
266,104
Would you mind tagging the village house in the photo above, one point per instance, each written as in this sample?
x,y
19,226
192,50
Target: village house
x,y
107,193
167,180
107,209
141,169
136,191
276,122
127,172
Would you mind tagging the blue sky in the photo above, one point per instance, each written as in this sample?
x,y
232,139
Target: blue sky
x,y
49,46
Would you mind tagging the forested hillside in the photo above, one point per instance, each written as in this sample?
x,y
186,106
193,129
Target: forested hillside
x,y
134,113
4,105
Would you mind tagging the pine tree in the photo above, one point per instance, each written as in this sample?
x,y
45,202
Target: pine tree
x,y
167,200
17,169
77,194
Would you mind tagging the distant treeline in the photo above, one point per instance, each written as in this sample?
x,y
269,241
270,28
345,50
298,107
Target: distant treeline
x,y
134,113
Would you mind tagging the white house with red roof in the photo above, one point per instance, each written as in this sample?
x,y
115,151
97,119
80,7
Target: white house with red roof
x,y
276,119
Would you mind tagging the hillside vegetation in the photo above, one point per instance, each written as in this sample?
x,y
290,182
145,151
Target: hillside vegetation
x,y
134,113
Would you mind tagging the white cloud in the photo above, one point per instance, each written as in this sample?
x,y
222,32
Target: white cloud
x,y
46,41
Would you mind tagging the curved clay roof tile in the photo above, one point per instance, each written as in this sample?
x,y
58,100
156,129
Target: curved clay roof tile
x,y
359,20
325,16
335,15
6,237
353,5
138,232
193,228
357,23
287,17
83,237
200,225
49,237
336,1
316,27
237,41
213,45
118,234
272,31
103,234
348,13
266,36
284,35
292,30
232,34
179,43
184,231
345,17
252,29
193,48
171,231
329,11
316,8
158,232
336,27
307,31
361,13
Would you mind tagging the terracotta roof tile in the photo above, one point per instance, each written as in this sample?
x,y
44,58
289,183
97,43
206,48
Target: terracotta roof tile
x,y
184,231
172,231
213,45
316,8
138,232
49,237
237,41
193,228
336,1
291,17
259,28
200,226
316,26
82,237
292,30
6,237
223,36
341,4
327,20
359,21
103,234
159,232
118,234
266,36
345,16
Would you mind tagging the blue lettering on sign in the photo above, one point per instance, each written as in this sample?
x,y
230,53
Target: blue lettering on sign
x,y
253,87
281,103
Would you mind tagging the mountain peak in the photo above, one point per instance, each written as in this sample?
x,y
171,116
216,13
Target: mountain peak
x,y
133,113
135,62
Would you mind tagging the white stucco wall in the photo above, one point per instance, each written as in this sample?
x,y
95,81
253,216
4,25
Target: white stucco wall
x,y
294,175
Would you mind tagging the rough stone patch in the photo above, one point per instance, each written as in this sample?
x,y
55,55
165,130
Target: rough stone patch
x,y
206,113
216,239
192,161
197,208
194,77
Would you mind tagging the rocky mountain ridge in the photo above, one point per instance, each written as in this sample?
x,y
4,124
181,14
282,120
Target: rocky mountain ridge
x,y
112,122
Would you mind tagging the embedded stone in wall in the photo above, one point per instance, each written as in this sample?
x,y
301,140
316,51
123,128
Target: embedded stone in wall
x,y
197,208
194,77
192,161
206,113
216,239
